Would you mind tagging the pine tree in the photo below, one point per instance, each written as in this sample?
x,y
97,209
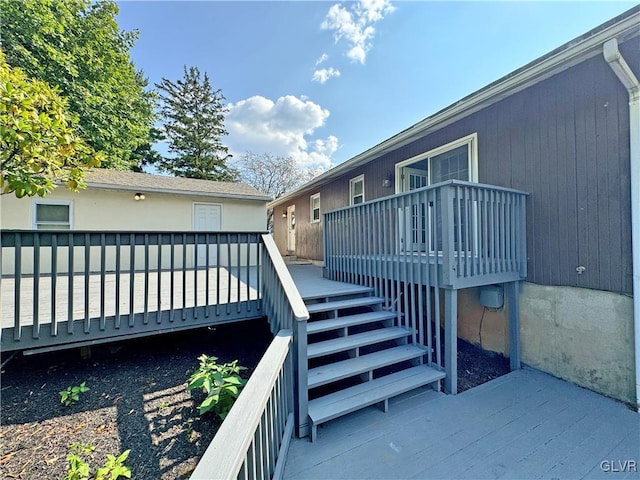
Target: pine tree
x,y
193,123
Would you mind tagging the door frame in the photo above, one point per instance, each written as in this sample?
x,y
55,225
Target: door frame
x,y
213,257
291,211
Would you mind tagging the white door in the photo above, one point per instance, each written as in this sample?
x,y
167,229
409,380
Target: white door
x,y
413,219
207,217
291,229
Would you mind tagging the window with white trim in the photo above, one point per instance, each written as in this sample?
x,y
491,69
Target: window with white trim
x,y
52,215
314,202
356,190
457,160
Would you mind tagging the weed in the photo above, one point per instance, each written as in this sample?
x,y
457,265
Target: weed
x,y
79,469
72,394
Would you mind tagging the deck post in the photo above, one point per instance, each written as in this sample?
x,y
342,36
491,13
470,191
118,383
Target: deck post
x,y
451,340
301,395
513,297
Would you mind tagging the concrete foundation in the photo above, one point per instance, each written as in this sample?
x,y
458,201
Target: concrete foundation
x,y
581,335
577,334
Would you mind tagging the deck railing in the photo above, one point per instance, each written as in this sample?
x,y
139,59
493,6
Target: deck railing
x,y
253,439
473,231
75,287
284,307
447,236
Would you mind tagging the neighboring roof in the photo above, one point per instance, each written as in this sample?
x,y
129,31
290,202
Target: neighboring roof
x,y
146,183
623,27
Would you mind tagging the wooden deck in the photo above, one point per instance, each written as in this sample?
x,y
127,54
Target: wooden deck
x,y
311,284
226,286
524,425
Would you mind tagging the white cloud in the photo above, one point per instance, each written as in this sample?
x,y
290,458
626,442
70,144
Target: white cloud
x,y
283,127
324,74
355,25
323,58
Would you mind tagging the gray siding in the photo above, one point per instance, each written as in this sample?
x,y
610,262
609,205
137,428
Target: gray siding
x,y
566,141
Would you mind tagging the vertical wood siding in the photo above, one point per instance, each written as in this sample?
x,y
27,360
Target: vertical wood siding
x,y
565,141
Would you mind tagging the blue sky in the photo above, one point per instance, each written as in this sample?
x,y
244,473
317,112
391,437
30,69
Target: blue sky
x,y
324,81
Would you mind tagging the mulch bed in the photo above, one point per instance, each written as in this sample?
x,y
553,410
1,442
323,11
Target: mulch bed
x,y
138,400
477,366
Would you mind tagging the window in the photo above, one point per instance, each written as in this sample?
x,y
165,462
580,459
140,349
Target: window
x,y
356,190
52,216
457,160
315,208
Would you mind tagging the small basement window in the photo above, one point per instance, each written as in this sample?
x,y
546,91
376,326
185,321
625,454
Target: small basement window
x,y
315,207
356,190
52,216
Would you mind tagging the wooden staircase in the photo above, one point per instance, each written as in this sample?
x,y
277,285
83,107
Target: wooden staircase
x,y
358,355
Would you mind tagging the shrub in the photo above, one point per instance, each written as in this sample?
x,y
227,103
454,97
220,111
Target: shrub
x,y
221,384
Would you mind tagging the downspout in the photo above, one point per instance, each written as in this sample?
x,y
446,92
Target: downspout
x,y
620,67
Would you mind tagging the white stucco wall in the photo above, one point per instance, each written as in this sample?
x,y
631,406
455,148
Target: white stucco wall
x,y
102,210
96,209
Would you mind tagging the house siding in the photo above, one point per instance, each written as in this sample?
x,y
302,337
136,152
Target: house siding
x,y
564,140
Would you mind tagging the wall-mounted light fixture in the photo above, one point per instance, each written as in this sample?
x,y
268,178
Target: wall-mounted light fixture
x,y
139,196
284,214
388,182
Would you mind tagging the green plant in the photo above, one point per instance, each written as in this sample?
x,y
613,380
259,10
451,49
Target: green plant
x,y
72,394
113,469
221,383
78,467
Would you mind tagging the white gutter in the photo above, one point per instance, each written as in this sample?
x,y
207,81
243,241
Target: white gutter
x,y
620,67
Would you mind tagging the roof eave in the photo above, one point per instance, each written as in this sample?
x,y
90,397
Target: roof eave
x,y
145,189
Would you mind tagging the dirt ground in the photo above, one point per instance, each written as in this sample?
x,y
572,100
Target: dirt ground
x,y
138,401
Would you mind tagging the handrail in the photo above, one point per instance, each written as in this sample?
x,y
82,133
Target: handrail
x,y
435,186
284,308
296,303
254,430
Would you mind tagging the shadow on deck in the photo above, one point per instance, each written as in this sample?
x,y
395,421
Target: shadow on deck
x,y
524,425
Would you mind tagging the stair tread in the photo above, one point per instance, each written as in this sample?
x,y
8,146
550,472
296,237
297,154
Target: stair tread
x,y
358,340
348,321
354,366
354,398
346,290
340,304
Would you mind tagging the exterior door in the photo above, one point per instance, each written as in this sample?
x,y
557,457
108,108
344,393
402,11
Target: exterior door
x,y
413,219
291,229
207,217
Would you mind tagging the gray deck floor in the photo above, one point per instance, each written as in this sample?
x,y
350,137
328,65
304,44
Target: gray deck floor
x,y
308,278
225,286
524,425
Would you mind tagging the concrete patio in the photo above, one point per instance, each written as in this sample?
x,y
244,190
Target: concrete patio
x,y
524,425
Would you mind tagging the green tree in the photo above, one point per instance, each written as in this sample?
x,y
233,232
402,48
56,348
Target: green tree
x,y
78,46
38,140
193,122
